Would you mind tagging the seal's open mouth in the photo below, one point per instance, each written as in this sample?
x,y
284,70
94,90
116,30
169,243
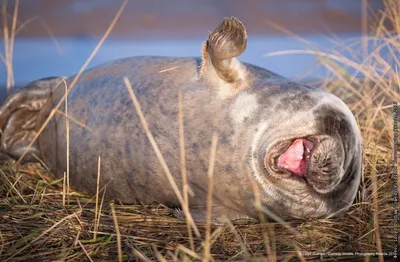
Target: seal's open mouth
x,y
296,157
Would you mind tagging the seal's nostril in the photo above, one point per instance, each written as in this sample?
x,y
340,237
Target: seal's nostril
x,y
325,171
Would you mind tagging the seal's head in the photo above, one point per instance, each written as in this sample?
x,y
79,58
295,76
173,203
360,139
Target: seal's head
x,y
305,153
309,163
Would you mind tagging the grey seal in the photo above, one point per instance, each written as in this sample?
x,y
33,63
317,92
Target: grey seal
x,y
297,145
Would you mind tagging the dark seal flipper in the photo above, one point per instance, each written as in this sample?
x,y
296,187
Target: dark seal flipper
x,y
19,115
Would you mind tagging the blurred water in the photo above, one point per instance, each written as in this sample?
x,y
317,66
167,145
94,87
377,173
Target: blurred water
x,y
35,58
191,17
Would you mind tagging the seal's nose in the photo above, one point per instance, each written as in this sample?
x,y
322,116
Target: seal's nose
x,y
325,169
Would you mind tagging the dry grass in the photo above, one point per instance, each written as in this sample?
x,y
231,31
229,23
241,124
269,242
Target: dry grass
x,y
36,225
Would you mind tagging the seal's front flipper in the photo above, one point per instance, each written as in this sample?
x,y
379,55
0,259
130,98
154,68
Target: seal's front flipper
x,y
18,116
4,158
219,215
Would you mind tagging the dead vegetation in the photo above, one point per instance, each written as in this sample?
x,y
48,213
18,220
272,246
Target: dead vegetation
x,y
38,223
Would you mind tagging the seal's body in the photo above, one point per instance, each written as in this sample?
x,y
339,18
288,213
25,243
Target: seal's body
x,y
298,146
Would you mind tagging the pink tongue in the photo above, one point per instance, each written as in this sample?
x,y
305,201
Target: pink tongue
x,y
292,158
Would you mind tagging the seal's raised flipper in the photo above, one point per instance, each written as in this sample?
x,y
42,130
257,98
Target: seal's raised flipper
x,y
18,116
220,67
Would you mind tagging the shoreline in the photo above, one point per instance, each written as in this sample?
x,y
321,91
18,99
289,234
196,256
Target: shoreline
x,y
188,18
